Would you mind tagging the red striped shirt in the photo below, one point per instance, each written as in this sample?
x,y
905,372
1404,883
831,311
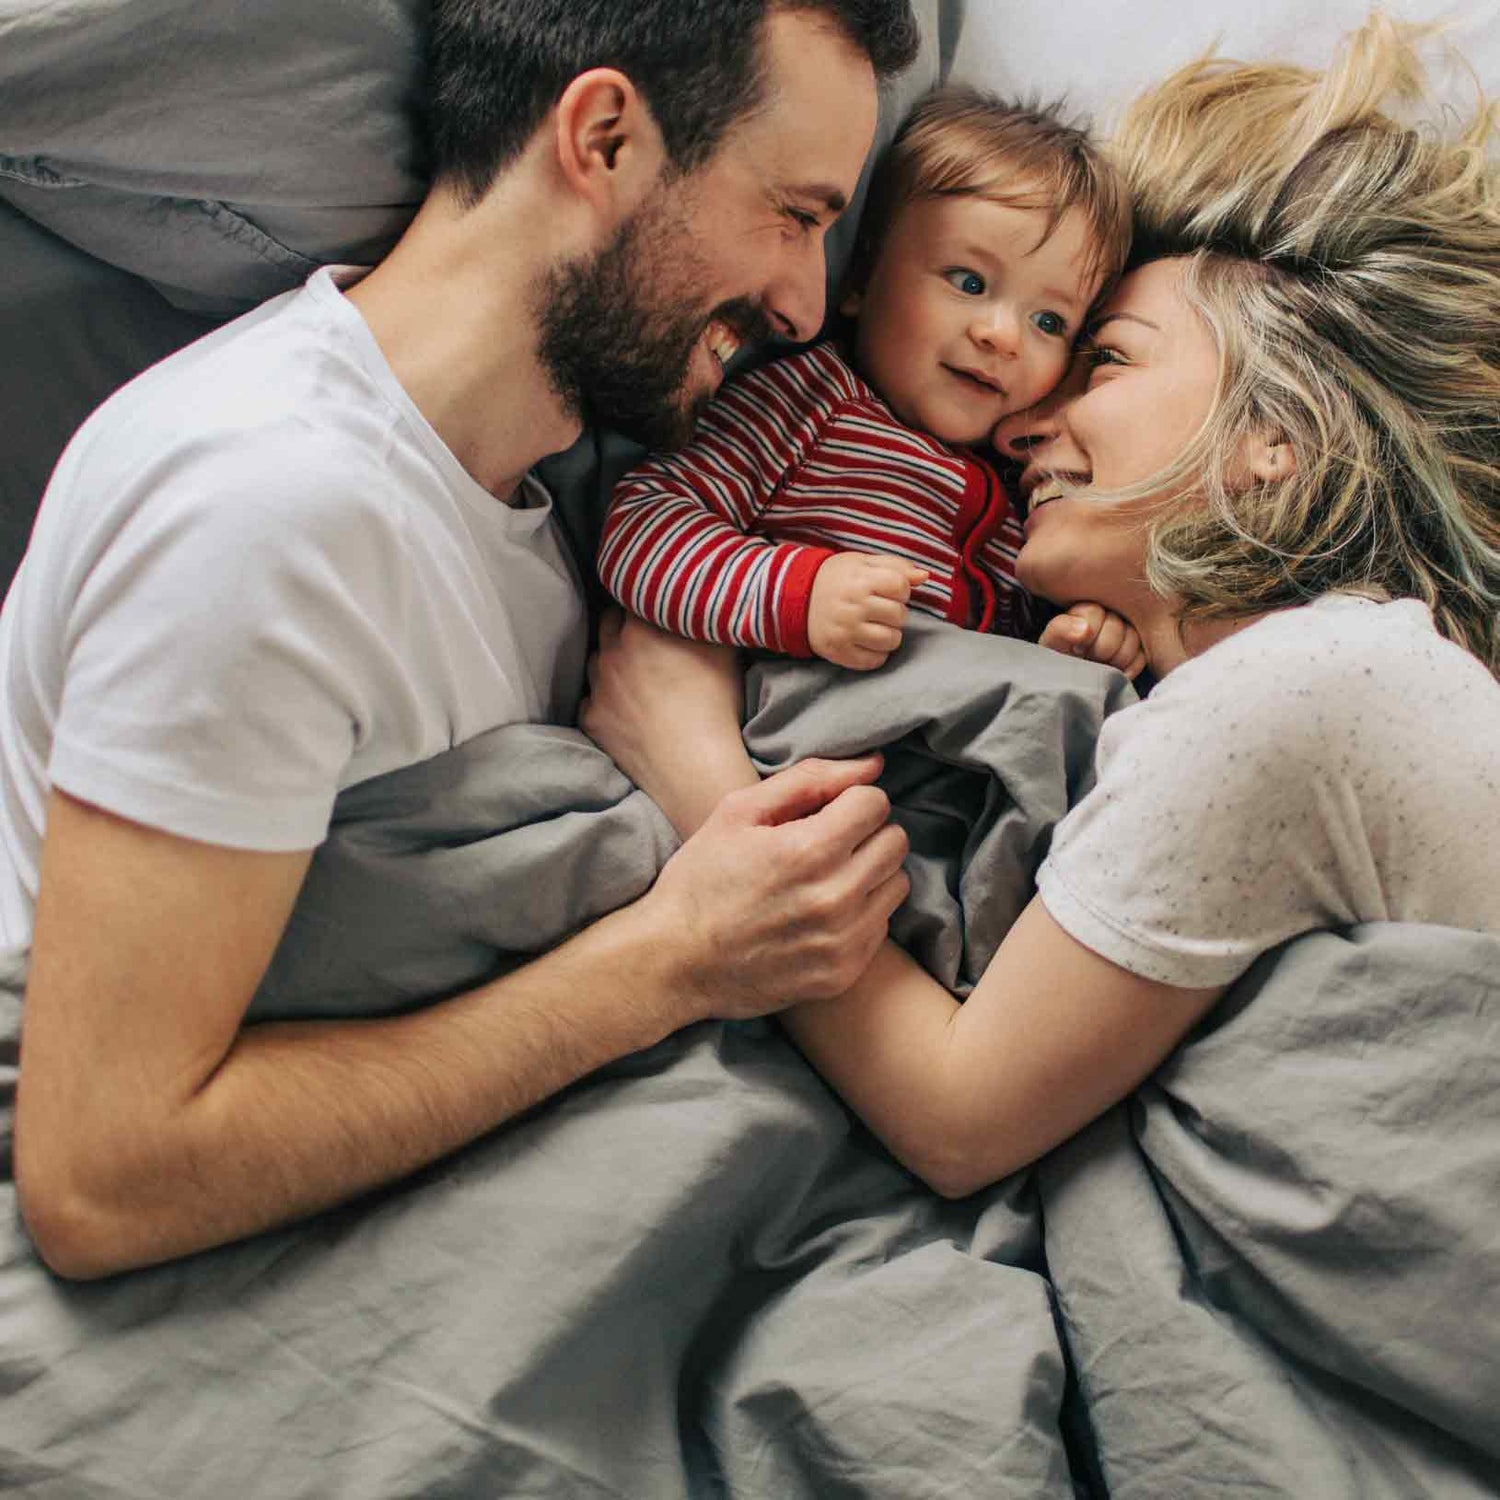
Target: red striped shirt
x,y
800,459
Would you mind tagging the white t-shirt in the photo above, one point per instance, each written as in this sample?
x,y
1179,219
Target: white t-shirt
x,y
1330,764
257,577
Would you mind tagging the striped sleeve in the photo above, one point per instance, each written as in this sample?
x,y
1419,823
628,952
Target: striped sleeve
x,y
678,546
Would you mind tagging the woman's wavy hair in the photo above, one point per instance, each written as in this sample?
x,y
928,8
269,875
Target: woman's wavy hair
x,y
1349,268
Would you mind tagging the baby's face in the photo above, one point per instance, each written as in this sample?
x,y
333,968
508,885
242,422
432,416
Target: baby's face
x,y
969,314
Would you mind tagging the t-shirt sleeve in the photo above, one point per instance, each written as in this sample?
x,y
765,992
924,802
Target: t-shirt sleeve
x,y
1226,819
225,652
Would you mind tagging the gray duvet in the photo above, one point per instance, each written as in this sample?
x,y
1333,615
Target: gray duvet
x,y
1275,1272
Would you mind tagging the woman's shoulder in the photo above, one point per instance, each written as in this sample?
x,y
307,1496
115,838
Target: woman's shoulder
x,y
1342,649
1342,681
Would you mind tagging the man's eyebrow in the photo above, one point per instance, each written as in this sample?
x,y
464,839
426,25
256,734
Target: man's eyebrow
x,y
831,198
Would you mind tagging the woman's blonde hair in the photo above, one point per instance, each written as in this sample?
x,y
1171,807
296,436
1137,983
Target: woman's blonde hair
x,y
1349,268
962,142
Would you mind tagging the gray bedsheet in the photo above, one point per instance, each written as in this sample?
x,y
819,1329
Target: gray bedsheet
x,y
1275,1272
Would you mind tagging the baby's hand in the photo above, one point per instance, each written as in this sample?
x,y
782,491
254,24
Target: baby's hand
x,y
858,607
1091,631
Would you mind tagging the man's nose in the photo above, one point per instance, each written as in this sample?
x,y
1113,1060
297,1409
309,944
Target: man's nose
x,y
797,300
1019,434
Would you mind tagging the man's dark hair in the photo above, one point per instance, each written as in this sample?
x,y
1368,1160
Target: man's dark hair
x,y
495,67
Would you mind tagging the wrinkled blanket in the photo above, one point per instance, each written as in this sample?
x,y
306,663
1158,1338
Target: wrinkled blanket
x,y
1276,1271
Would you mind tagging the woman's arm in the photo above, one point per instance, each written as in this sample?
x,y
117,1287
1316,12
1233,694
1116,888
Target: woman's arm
x,y
1052,1035
963,1094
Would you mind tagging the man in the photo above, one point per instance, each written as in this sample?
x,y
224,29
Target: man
x,y
306,551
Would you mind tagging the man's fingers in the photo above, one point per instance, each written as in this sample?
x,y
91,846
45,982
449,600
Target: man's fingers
x,y
890,893
879,857
806,788
851,818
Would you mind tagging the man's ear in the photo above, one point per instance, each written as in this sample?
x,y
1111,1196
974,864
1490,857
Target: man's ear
x,y
1271,459
609,149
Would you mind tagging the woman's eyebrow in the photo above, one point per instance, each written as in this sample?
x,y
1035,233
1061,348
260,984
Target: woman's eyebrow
x,y
1114,317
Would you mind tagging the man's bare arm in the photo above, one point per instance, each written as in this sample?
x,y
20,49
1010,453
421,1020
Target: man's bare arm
x,y
150,1124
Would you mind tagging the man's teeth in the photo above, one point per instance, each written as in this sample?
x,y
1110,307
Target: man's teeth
x,y
1052,490
722,343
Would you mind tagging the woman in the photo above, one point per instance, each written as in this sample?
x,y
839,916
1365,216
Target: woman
x,y
1282,465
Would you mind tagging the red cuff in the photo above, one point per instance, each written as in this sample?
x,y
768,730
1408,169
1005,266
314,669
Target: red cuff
x,y
795,596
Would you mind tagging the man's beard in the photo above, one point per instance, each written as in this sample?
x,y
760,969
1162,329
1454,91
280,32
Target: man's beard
x,y
618,356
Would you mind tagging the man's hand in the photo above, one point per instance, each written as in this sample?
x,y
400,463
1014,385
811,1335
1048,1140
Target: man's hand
x,y
784,887
1097,634
785,892
858,608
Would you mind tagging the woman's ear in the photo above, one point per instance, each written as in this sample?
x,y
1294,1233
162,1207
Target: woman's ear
x,y
1272,460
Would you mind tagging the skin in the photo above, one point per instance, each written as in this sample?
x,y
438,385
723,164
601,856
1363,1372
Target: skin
x,y
1140,392
150,1122
970,313
1053,1034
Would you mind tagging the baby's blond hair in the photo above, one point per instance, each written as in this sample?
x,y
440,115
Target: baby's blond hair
x,y
962,142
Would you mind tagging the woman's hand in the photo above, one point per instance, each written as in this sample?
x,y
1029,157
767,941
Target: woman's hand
x,y
668,711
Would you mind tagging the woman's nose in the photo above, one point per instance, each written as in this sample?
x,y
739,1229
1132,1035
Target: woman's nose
x,y
1019,434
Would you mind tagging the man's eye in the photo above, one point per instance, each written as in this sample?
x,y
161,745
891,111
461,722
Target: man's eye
x,y
1054,325
802,218
970,283
1102,354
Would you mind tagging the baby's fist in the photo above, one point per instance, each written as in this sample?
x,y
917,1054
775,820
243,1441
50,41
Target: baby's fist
x,y
858,607
1097,634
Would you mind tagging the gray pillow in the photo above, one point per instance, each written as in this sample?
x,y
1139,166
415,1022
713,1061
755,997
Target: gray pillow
x,y
221,151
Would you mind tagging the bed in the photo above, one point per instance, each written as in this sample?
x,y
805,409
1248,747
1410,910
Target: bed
x,y
1273,1271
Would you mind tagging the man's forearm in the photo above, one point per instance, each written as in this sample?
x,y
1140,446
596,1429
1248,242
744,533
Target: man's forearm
x,y
302,1115
150,1123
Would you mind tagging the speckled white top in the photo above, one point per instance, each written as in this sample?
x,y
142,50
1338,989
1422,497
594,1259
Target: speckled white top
x,y
1330,764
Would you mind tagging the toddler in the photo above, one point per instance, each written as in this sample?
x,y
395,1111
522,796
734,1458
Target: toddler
x,y
824,493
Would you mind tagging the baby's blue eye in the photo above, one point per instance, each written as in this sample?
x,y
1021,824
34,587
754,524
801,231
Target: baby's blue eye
x,y
1050,323
970,283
